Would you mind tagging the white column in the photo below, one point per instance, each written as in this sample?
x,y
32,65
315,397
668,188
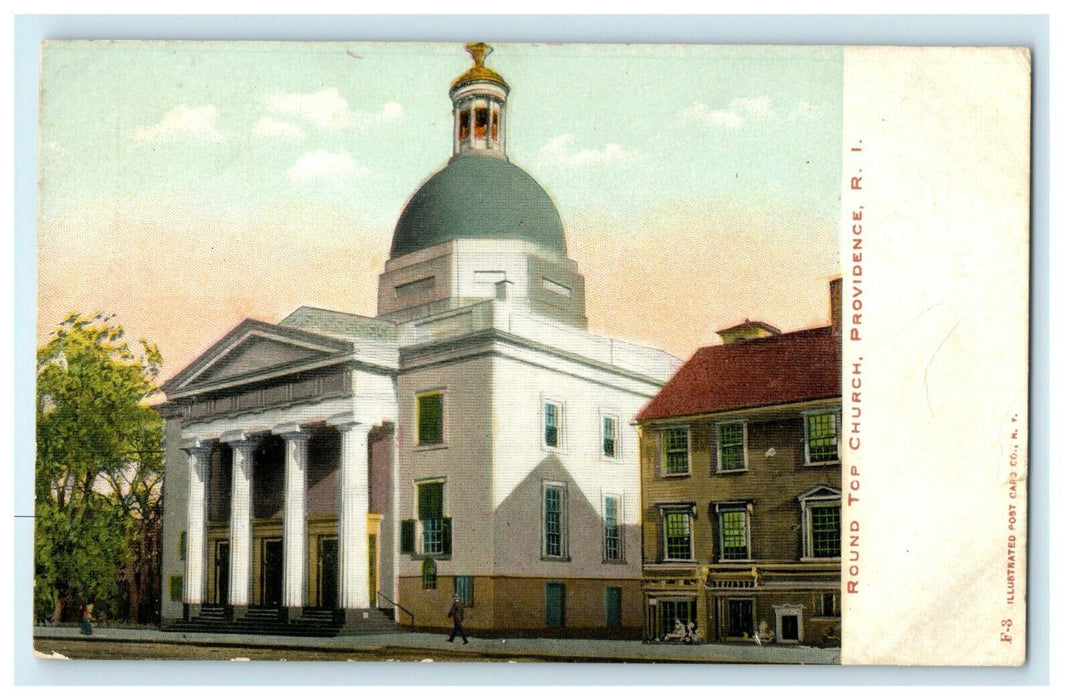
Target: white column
x,y
241,512
353,514
297,444
194,588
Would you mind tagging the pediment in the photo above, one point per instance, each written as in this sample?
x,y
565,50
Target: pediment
x,y
819,492
252,350
254,354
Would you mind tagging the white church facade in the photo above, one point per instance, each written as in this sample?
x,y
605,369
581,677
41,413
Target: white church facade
x,y
473,438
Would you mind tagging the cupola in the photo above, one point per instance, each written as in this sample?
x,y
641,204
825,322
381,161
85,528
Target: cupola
x,y
479,98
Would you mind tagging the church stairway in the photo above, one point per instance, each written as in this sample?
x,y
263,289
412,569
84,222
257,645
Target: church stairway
x,y
314,622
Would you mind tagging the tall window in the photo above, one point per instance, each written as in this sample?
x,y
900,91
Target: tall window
x,y
430,419
733,533
820,506
677,533
821,438
731,442
463,589
675,451
554,520
611,529
610,438
552,424
434,528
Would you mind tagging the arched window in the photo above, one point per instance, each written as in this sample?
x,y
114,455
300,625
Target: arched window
x,y
428,573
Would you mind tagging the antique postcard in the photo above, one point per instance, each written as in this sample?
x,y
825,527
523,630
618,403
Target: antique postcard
x,y
520,352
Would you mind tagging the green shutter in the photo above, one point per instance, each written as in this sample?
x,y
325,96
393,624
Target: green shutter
x,y
408,536
447,535
430,419
182,546
430,500
176,587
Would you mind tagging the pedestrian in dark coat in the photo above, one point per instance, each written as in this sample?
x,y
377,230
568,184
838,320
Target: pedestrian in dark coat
x,y
457,614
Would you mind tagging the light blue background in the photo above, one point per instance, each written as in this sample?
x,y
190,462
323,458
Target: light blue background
x,y
1030,31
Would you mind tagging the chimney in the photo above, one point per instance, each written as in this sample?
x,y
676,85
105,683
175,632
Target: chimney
x,y
748,330
503,290
834,304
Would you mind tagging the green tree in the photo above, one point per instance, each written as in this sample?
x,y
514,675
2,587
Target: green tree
x,y
97,470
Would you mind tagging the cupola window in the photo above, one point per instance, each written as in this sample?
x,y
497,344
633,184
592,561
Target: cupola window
x,y
463,125
480,128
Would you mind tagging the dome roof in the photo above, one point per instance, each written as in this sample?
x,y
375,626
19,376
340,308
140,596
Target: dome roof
x,y
478,197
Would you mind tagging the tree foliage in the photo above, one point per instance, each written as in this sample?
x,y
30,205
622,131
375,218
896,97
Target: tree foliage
x,y
98,468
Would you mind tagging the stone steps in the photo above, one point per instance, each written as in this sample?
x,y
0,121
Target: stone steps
x,y
266,621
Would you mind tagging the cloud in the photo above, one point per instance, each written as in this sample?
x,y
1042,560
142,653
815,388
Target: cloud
x,y
563,150
731,117
809,111
182,121
271,127
324,165
328,109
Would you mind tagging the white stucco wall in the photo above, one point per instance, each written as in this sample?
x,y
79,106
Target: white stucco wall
x,y
523,464
463,460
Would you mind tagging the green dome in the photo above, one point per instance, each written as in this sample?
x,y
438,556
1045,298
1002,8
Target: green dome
x,y
477,196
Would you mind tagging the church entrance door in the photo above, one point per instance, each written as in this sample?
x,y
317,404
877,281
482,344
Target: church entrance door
x,y
272,574
223,571
328,572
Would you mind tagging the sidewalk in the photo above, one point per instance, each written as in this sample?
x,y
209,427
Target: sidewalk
x,y
588,650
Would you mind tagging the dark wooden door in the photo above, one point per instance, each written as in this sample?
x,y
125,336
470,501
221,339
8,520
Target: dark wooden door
x,y
555,605
223,571
790,628
272,574
328,573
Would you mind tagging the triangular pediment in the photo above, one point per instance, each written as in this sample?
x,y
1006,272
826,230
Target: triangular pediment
x,y
253,349
257,353
819,492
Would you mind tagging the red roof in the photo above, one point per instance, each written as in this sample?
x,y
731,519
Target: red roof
x,y
780,369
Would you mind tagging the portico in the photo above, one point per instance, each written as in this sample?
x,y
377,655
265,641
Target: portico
x,y
278,461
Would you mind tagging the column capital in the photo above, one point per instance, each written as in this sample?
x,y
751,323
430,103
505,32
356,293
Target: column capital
x,y
237,439
195,445
347,421
290,431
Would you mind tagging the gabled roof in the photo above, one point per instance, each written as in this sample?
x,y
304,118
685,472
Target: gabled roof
x,y
780,369
253,347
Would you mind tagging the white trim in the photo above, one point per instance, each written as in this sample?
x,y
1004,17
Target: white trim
x,y
444,435
733,507
560,404
688,510
227,349
563,520
719,467
662,450
783,611
619,498
835,412
618,442
808,500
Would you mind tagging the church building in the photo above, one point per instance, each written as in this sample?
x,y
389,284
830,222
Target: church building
x,y
336,472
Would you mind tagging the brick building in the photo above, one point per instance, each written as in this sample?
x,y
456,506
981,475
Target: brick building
x,y
740,485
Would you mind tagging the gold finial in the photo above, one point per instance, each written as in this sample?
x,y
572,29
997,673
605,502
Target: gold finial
x,y
479,51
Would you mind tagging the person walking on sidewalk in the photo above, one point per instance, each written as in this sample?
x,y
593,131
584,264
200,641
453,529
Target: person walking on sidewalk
x,y
457,613
87,619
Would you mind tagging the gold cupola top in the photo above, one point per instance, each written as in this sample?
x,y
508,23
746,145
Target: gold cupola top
x,y
479,72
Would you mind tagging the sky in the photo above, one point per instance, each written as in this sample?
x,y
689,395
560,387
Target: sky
x,y
185,186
